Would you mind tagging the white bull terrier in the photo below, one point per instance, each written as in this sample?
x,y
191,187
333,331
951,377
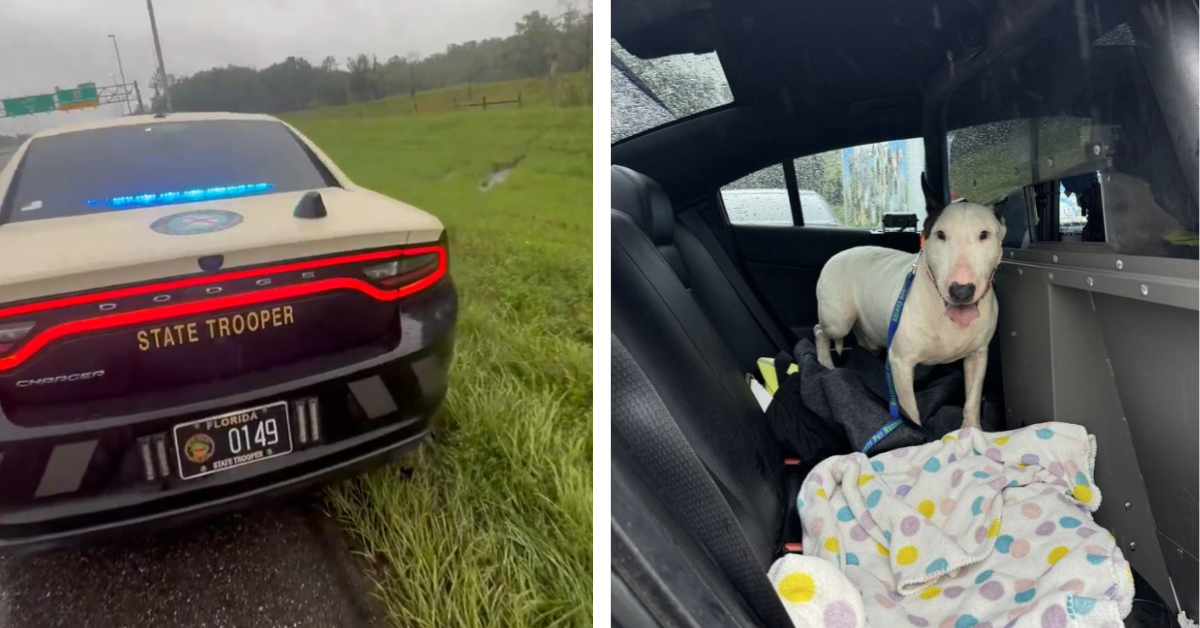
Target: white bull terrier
x,y
950,309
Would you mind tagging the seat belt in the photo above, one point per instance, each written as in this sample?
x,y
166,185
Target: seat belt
x,y
642,420
696,225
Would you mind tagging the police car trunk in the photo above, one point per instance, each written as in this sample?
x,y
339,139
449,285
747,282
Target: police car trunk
x,y
173,273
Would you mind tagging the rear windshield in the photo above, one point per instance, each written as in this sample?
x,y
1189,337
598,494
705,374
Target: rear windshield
x,y
128,167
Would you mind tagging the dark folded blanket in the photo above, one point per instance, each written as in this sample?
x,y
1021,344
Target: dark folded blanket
x,y
818,412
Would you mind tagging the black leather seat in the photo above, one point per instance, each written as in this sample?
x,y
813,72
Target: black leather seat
x,y
695,266
687,328
686,362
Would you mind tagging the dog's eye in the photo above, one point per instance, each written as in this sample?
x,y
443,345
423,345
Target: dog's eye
x,y
941,235
982,235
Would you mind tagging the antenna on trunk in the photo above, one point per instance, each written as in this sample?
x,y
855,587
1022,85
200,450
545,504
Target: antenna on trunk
x,y
310,206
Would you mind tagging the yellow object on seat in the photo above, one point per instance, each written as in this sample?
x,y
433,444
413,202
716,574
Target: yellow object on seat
x,y
766,367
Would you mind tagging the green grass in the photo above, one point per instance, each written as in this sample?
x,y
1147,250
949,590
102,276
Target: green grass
x,y
570,90
491,523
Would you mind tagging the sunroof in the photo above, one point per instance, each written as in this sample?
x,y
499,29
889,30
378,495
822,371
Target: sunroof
x,y
647,93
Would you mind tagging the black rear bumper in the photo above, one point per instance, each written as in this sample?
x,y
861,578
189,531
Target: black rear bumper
x,y
103,489
296,479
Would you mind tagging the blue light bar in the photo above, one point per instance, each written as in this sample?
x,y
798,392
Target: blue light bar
x,y
186,196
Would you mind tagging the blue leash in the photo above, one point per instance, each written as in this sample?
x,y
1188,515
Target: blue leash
x,y
893,402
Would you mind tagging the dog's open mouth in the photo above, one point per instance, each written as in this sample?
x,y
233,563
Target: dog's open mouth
x,y
962,314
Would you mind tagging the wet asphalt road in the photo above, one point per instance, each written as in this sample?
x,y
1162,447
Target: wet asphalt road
x,y
287,567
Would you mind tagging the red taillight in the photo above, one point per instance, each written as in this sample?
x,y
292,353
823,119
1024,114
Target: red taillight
x,y
415,269
12,333
422,279
405,270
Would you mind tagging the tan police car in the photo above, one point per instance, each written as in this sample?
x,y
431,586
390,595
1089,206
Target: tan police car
x,y
198,311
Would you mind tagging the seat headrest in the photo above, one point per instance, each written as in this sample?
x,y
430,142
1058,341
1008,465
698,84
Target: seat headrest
x,y
643,200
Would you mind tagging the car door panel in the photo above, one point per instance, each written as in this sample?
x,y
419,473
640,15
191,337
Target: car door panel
x,y
784,263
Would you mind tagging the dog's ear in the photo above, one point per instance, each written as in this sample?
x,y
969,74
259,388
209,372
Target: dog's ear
x,y
933,204
930,220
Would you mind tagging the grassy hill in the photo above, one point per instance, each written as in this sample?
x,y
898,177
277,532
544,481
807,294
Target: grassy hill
x,y
490,524
571,90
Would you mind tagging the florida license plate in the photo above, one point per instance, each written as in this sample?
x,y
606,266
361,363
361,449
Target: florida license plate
x,y
232,440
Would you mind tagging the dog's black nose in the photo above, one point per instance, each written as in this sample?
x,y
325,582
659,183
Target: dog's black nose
x,y
962,293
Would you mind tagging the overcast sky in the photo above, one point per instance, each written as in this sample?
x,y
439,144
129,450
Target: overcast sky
x,y
49,43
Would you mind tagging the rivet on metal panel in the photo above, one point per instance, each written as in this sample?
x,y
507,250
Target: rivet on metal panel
x,y
1020,271
1050,276
1054,258
1090,281
1128,506
1179,550
1012,334
1120,264
1132,546
1145,290
1012,253
1050,162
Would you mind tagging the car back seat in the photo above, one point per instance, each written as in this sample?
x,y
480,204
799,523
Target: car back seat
x,y
708,560
691,368
659,271
707,274
687,363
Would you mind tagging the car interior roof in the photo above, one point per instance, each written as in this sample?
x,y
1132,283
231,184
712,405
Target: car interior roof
x,y
802,83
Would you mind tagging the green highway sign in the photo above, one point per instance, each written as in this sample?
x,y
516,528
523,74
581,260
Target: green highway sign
x,y
80,97
28,105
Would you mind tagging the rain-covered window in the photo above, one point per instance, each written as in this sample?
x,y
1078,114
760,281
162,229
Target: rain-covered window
x,y
850,187
988,161
1069,127
647,93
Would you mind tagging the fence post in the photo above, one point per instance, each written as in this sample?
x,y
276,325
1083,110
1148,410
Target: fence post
x,y
518,100
485,103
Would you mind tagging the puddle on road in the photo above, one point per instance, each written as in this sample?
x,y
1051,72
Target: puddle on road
x,y
499,174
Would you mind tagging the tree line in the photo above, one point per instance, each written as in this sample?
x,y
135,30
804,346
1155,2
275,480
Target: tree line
x,y
540,45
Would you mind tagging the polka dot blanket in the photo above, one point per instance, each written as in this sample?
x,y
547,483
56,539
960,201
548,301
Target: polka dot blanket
x,y
817,594
977,530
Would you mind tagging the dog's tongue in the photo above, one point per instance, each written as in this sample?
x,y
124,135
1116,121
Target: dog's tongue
x,y
962,315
